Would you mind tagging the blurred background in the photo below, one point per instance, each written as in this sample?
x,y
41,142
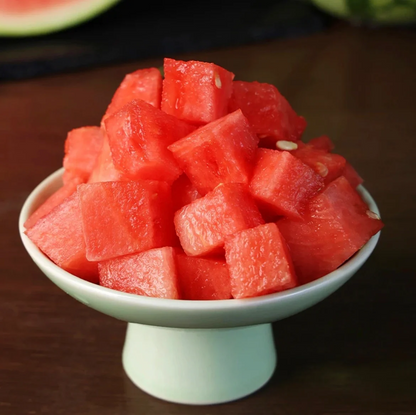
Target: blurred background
x,y
40,37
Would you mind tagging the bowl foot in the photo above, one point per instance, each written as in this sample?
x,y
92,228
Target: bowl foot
x,y
199,366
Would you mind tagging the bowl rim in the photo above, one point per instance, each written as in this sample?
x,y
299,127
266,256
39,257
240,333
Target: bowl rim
x,y
162,304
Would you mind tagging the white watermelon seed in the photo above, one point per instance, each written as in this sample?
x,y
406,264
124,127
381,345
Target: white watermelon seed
x,y
372,215
322,169
286,145
218,83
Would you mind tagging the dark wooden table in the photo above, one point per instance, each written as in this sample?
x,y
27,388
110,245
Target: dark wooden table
x,y
354,353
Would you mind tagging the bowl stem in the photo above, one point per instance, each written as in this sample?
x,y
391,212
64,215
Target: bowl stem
x,y
199,366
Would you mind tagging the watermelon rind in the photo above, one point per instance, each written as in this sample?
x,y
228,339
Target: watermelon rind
x,y
380,11
52,19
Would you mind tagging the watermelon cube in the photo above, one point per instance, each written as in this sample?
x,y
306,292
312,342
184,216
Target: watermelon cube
x,y
151,273
145,84
282,184
104,169
328,165
139,135
60,236
220,152
259,262
333,163
52,201
203,278
203,225
197,92
82,148
121,218
336,224
183,192
322,143
268,111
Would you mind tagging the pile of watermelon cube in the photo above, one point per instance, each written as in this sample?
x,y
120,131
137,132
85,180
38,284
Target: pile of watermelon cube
x,y
198,187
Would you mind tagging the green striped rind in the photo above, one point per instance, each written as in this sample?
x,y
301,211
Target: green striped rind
x,y
335,7
387,11
52,19
359,7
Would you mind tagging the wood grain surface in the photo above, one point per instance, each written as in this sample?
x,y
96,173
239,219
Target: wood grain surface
x,y
352,354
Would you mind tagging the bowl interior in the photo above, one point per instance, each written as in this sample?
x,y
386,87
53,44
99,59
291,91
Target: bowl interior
x,y
183,313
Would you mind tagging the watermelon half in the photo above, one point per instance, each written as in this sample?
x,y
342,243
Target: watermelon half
x,y
39,17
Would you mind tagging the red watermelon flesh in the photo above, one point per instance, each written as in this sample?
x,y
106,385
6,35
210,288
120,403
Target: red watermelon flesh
x,y
337,223
282,184
322,143
54,200
220,152
183,192
328,165
203,225
104,169
268,111
197,92
151,273
122,218
26,6
259,262
82,148
139,135
60,236
352,175
144,84
203,278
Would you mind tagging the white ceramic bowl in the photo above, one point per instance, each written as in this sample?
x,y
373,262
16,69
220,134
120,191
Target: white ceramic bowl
x,y
194,352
